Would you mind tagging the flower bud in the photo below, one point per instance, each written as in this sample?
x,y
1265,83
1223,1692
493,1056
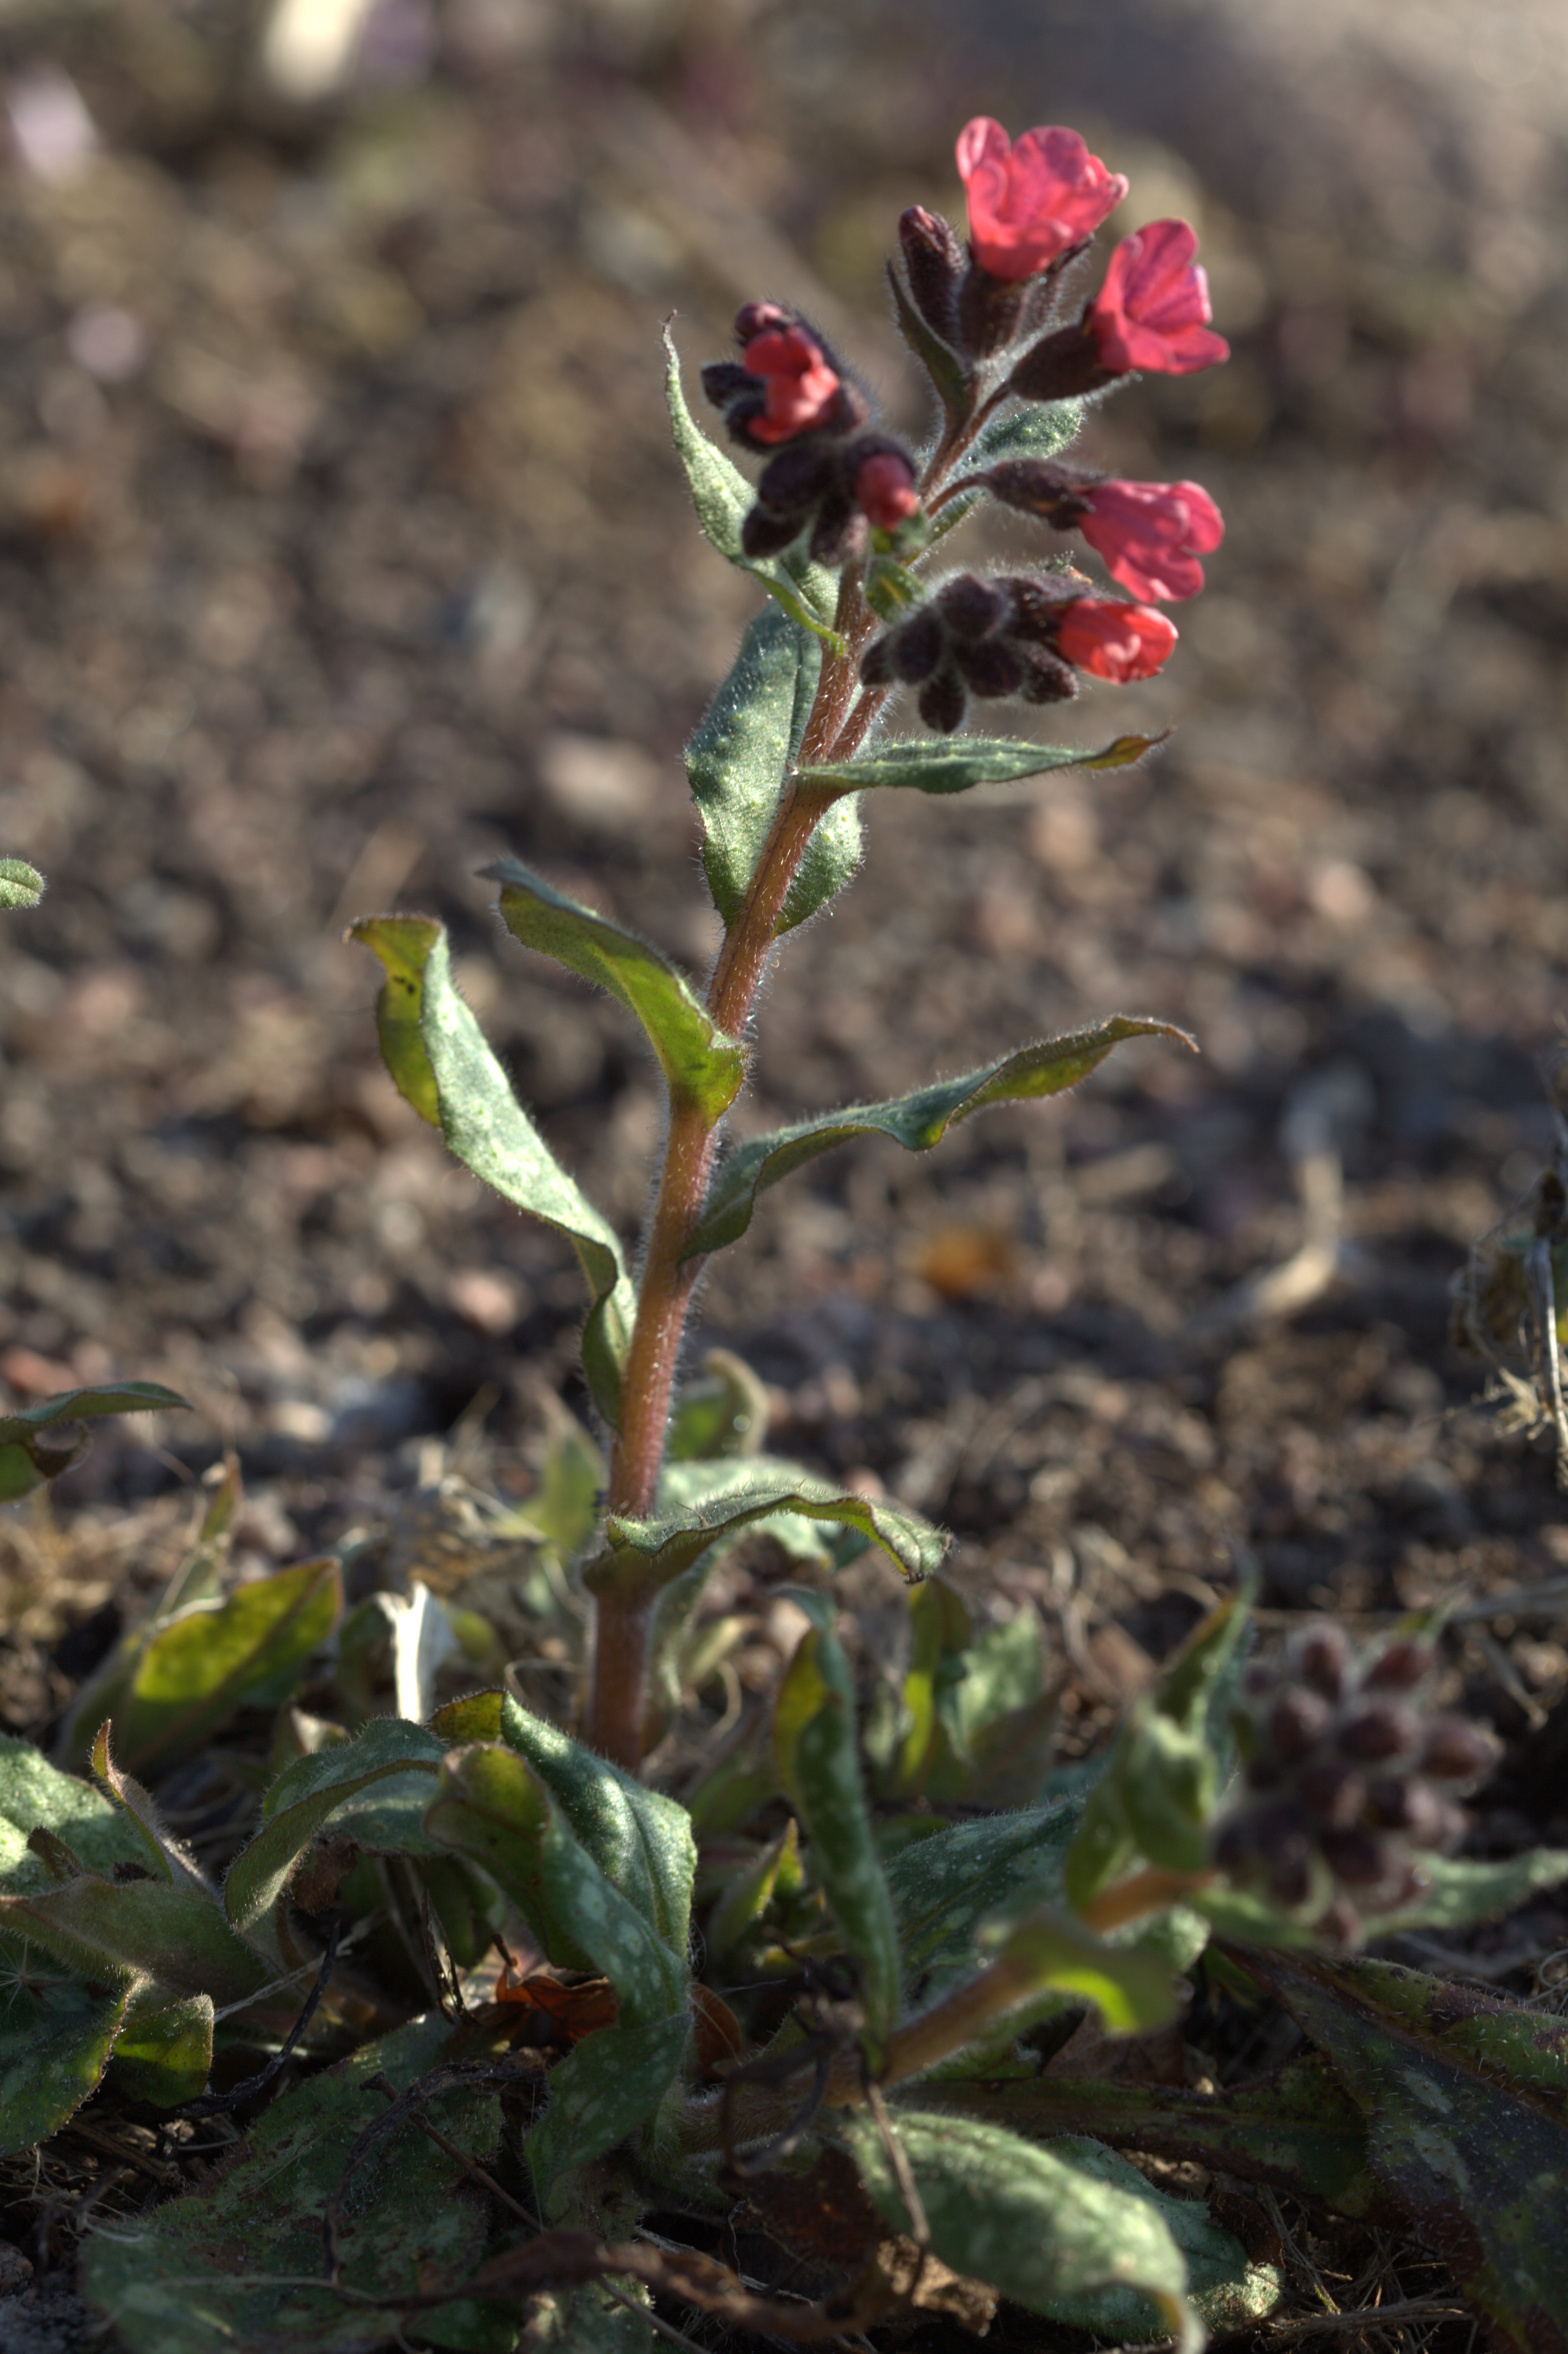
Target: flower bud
x,y
970,607
1322,1658
1455,1752
1401,1668
883,489
1356,1857
1297,1723
1046,680
941,704
1383,1730
1333,1792
934,265
989,667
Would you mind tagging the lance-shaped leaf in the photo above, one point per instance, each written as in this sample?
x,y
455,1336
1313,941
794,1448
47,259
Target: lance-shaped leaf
x,y
307,1793
952,765
750,1891
239,2264
161,1852
1156,1796
1048,1951
1034,428
1297,2131
492,1805
35,1795
941,363
702,1066
944,1886
21,886
1467,2105
660,1549
818,1763
737,762
1032,2222
442,1063
212,1656
916,1121
608,2085
55,2036
808,592
117,1932
163,2054
26,1454
641,1841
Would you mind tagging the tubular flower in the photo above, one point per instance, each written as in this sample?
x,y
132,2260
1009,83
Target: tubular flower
x,y
1151,535
1153,309
1120,642
883,489
1032,202
786,383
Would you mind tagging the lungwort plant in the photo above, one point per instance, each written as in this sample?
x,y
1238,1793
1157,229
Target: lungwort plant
x,y
816,2007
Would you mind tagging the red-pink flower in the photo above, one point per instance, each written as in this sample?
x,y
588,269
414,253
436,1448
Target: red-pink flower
x,y
1115,641
801,386
1153,309
1031,202
884,491
1151,534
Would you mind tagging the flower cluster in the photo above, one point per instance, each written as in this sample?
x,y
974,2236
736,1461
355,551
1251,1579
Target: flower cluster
x,y
786,392
1020,636
1348,1779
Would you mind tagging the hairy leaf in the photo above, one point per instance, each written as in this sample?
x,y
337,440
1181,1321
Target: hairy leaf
x,y
750,1891
453,1079
1295,2131
737,762
916,1121
819,1765
808,592
946,370
1035,428
639,1840
1049,1951
702,1066
663,1547
608,2085
1467,2105
1227,2290
55,2036
1039,2226
210,1658
954,764
493,1805
944,1886
309,1792
115,1932
723,1413
163,2054
238,2265
26,1458
35,1794
21,886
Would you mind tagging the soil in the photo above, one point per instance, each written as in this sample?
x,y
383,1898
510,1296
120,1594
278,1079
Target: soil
x,y
342,549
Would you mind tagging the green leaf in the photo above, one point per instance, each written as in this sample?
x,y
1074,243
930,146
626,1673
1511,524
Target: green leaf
x,y
607,2086
163,2054
26,1459
641,1841
953,764
117,1932
1459,1891
944,1886
1467,2105
207,1660
750,1891
808,592
403,945
492,1805
724,1413
1227,2290
663,1547
21,886
1047,1950
35,1794
308,1794
947,371
819,1765
590,2321
1035,428
55,2036
161,1852
1042,2227
238,2265
739,760
564,1508
940,1630
702,1066
1295,2131
916,1121
486,1125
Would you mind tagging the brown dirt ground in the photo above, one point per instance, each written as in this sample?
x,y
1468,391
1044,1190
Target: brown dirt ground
x,y
376,563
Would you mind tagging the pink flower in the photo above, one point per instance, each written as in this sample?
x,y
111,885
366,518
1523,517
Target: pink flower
x,y
1153,309
1032,202
801,386
1151,534
1114,641
884,491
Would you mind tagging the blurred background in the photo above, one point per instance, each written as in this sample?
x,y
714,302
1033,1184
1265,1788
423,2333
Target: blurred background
x,y
342,546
